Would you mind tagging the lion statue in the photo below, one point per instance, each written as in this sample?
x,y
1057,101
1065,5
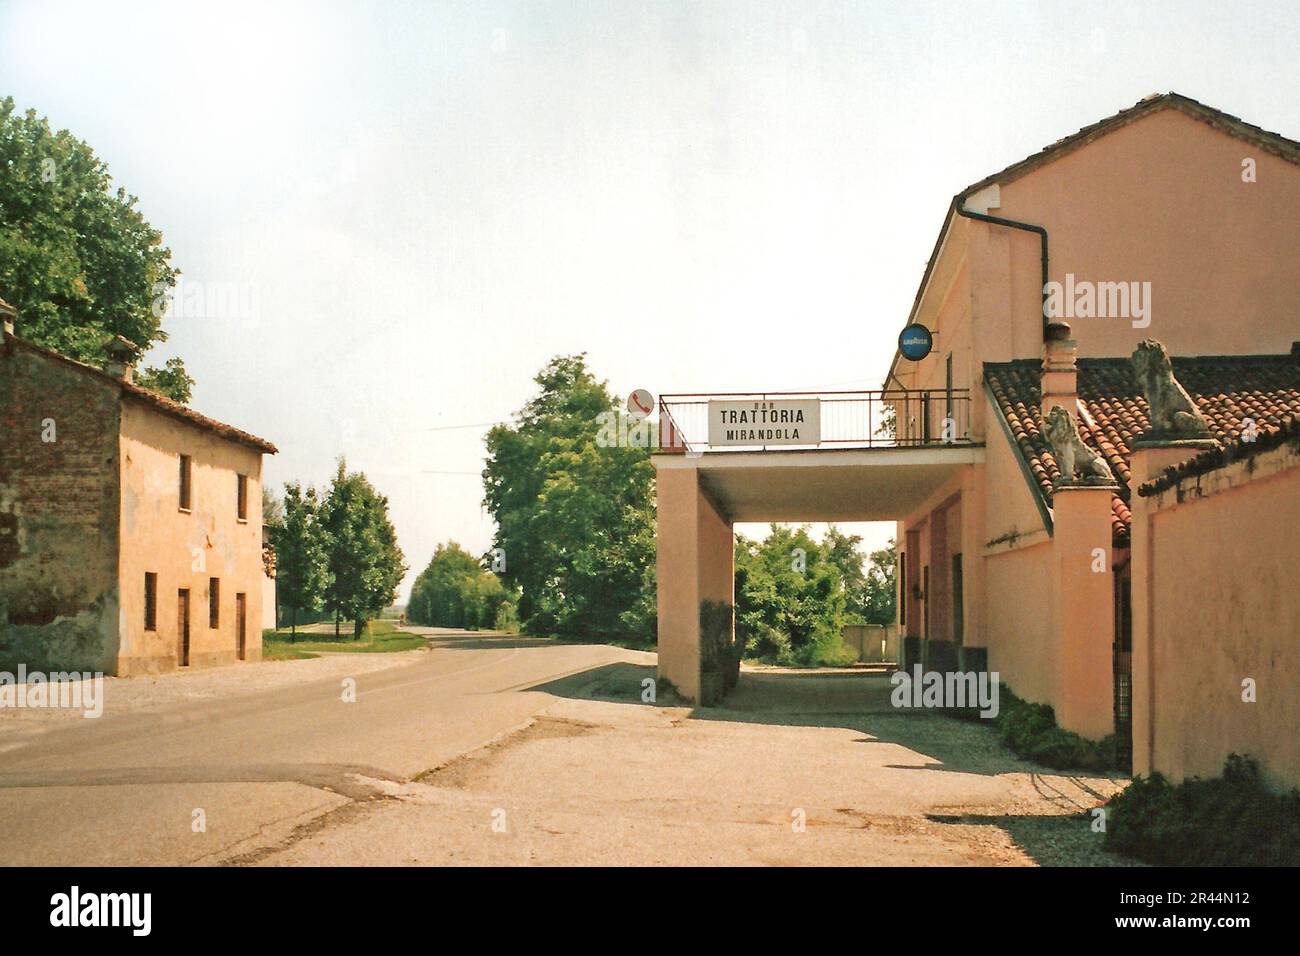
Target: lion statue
x,y
1170,407
1069,450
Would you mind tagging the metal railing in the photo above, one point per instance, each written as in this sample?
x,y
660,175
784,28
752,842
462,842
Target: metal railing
x,y
881,418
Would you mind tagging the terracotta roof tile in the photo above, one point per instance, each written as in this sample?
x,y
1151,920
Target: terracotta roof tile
x,y
1227,389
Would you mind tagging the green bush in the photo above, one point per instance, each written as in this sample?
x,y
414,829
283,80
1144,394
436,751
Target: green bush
x,y
1230,820
1030,730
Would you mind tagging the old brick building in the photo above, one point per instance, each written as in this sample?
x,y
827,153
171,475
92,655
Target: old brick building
x,y
130,525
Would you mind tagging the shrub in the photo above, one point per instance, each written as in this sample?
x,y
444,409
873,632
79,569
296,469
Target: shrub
x,y
1230,820
1031,731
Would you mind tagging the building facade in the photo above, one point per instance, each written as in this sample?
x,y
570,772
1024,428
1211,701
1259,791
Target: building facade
x,y
1058,287
130,525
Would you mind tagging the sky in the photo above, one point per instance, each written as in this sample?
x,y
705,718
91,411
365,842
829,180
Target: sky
x,y
407,208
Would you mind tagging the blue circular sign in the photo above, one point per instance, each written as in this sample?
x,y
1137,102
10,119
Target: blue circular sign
x,y
915,342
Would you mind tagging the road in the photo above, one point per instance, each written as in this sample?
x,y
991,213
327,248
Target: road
x,y
498,750
127,788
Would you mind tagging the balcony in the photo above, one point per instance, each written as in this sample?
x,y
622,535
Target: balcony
x,y
791,421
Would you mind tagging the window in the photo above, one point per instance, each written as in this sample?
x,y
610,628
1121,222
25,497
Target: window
x,y
150,601
948,385
185,482
243,497
958,602
214,602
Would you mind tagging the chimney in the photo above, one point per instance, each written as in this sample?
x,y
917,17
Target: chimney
x,y
8,313
1060,383
121,354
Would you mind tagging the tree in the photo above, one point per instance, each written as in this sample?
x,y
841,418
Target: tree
x,y
77,259
300,546
365,564
574,511
455,590
881,587
789,598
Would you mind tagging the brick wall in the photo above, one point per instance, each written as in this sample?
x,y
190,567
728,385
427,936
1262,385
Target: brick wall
x,y
58,513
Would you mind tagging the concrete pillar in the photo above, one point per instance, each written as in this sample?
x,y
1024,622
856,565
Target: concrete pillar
x,y
1083,608
1147,460
693,563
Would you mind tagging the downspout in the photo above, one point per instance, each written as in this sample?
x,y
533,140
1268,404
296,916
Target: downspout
x,y
960,204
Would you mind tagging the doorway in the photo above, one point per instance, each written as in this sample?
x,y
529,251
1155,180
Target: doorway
x,y
183,626
241,622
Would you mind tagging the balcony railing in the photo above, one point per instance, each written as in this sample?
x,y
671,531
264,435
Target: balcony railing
x,y
887,418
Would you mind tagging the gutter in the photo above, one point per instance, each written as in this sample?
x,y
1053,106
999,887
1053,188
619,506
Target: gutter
x,y
959,204
959,207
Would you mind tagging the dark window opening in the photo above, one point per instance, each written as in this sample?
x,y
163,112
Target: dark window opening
x,y
243,497
185,482
150,601
214,602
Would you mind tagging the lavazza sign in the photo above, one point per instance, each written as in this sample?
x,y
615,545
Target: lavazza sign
x,y
766,422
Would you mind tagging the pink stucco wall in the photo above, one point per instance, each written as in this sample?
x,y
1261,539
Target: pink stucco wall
x,y
1221,605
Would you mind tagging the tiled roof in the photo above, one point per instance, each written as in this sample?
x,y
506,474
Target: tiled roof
x,y
1208,461
1227,389
151,398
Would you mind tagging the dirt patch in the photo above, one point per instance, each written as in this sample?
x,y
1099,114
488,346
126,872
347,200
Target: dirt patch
x,y
462,772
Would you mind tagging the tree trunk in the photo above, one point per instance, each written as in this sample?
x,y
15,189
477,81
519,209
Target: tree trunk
x,y
293,626
356,629
336,625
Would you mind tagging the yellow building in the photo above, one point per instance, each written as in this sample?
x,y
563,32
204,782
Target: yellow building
x,y
130,525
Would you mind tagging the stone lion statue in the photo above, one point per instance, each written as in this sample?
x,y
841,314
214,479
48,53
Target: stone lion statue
x,y
1069,450
1170,407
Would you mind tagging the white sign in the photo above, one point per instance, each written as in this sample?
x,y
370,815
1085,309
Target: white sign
x,y
640,404
774,421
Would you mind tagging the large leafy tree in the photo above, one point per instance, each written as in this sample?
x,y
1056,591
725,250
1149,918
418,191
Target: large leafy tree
x,y
455,590
302,575
789,598
77,259
574,514
365,564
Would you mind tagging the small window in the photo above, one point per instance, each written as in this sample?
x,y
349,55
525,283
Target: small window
x,y
185,482
150,601
214,602
243,497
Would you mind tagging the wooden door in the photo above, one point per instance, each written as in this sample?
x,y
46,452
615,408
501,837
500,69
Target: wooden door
x,y
183,626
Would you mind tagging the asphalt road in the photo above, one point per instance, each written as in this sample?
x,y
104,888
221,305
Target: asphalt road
x,y
133,788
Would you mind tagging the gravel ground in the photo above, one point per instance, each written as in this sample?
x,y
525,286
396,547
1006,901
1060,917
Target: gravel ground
x,y
794,770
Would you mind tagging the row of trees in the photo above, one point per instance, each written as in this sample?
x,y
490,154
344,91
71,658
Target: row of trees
x,y
337,552
455,590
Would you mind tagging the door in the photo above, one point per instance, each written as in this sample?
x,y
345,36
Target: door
x,y
241,622
1122,659
183,626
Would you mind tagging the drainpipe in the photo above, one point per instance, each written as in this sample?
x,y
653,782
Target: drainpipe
x,y
960,204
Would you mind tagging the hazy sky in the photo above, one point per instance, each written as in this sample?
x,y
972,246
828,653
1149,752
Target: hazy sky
x,y
421,203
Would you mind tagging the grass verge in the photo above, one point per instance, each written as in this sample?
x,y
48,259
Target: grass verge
x,y
383,637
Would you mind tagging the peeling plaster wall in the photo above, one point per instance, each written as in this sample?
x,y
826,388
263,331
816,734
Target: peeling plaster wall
x,y
186,549
58,514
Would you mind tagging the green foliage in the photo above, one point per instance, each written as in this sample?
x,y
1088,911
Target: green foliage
x,y
869,593
455,590
77,260
171,380
301,572
1231,820
789,610
1030,730
575,516
365,564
